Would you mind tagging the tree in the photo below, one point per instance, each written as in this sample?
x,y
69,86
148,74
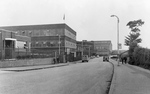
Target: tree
x,y
134,34
133,39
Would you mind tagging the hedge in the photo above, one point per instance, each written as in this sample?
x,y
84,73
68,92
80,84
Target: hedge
x,y
141,57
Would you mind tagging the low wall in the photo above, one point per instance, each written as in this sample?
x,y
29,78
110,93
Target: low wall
x,y
27,62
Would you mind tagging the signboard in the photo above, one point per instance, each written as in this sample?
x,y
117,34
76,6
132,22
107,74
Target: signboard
x,y
20,44
120,46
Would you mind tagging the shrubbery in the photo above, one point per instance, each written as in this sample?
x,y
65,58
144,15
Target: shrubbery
x,y
141,57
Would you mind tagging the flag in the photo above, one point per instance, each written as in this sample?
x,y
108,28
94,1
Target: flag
x,y
64,17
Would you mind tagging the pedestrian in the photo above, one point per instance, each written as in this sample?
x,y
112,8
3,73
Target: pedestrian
x,y
57,59
54,61
125,59
122,59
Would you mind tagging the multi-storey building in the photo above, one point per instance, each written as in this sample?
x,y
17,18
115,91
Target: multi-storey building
x,y
53,39
85,47
102,47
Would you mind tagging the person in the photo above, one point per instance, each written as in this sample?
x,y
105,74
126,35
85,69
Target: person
x,y
57,59
122,59
54,60
125,59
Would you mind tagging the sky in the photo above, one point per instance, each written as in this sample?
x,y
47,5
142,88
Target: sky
x,y
89,18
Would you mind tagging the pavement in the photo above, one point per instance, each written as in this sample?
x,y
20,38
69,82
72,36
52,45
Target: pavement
x,y
129,79
29,68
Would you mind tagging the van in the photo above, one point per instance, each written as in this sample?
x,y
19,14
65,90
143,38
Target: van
x,y
85,58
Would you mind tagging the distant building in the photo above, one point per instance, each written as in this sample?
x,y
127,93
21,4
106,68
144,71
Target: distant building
x,y
13,45
87,46
102,47
115,52
45,38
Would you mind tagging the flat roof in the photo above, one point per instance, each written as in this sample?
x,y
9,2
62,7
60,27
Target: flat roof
x,y
37,27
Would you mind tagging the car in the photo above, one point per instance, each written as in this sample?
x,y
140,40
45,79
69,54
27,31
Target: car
x,y
106,58
85,58
114,57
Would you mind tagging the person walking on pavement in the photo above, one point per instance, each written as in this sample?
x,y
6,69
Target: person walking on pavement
x,y
54,60
125,60
57,59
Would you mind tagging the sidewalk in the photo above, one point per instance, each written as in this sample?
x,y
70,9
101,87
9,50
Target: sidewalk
x,y
28,68
128,79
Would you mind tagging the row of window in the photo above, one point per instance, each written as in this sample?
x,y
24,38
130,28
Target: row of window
x,y
101,48
50,44
69,34
46,44
39,32
44,32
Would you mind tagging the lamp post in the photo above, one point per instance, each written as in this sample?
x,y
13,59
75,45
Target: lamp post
x,y
82,47
117,35
89,51
59,45
2,45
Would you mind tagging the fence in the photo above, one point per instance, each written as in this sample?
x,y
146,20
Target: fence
x,y
21,53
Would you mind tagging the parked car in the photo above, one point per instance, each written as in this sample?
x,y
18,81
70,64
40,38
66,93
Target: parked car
x,y
85,58
114,57
106,58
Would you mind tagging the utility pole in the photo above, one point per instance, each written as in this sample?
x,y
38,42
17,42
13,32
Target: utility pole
x,y
59,45
82,47
117,35
89,51
2,45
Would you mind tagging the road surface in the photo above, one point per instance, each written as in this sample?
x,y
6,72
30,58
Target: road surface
x,y
82,78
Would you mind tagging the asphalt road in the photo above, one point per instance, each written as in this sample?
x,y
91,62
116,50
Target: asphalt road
x,y
81,78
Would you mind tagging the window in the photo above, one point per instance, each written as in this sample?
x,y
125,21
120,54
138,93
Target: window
x,y
37,44
32,44
48,43
23,33
44,44
30,33
52,43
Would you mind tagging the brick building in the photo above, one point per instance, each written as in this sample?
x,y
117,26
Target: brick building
x,y
87,46
102,47
51,39
13,45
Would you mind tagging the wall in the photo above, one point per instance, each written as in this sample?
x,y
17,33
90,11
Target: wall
x,y
21,63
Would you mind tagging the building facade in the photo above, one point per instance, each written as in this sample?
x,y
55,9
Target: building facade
x,y
85,47
102,47
13,45
52,39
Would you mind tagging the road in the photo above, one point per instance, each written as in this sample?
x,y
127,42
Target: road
x,y
81,78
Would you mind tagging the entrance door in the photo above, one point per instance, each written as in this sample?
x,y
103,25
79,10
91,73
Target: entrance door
x,y
9,49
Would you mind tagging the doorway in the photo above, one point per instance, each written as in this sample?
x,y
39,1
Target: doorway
x,y
9,49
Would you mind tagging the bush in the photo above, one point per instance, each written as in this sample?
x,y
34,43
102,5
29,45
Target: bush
x,y
141,57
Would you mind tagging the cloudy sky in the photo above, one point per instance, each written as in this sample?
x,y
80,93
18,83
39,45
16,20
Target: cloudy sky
x,y
89,18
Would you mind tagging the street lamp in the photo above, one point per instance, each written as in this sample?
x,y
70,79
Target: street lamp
x,y
2,44
117,35
89,51
82,47
59,43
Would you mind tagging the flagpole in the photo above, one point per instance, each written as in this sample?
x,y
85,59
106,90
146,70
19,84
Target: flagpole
x,y
64,18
